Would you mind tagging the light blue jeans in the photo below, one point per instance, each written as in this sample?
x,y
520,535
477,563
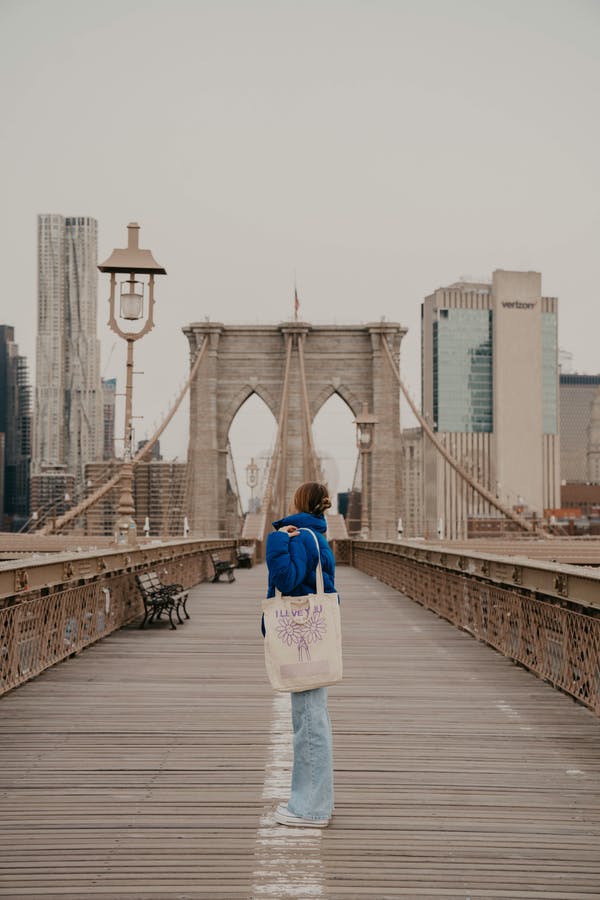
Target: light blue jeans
x,y
312,775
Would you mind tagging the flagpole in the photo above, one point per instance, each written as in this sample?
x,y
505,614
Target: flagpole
x,y
296,301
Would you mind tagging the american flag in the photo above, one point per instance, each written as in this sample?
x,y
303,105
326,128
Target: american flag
x,y
296,304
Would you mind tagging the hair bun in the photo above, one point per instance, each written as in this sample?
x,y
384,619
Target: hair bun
x,y
324,504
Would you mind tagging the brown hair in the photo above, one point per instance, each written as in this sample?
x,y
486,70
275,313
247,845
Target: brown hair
x,y
311,497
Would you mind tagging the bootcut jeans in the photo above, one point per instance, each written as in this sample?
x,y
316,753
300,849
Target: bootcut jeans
x,y
312,775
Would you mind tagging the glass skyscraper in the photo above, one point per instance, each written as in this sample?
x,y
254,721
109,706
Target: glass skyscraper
x,y
15,433
462,370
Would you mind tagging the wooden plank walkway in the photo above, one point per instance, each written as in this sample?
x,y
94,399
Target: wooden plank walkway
x,y
148,767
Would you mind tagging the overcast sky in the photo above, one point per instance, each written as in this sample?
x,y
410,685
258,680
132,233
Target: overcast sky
x,y
378,149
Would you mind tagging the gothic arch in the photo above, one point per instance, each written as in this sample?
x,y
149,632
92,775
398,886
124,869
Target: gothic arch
x,y
246,359
349,398
238,401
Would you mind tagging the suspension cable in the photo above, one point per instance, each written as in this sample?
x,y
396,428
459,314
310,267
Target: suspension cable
x,y
54,527
461,472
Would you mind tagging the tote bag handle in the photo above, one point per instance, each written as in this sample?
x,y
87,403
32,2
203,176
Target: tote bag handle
x,y
319,570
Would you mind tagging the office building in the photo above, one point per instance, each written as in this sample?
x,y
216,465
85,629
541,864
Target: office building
x,y
412,482
68,415
490,391
577,396
158,493
593,447
154,454
109,393
53,493
15,433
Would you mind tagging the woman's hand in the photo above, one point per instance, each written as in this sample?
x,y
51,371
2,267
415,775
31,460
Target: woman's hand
x,y
291,530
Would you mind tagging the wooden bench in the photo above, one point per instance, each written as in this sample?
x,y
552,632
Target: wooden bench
x,y
243,557
221,567
159,598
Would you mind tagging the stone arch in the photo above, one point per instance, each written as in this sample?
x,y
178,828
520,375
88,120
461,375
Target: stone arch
x,y
349,398
245,359
238,401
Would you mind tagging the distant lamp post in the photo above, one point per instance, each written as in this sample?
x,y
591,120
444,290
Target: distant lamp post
x,y
252,480
130,261
365,433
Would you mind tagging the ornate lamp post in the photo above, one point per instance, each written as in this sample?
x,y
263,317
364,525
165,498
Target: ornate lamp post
x,y
365,432
252,481
130,261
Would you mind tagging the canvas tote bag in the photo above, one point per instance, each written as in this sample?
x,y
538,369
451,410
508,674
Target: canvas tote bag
x,y
303,643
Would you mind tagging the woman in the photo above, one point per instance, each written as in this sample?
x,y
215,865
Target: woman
x,y
292,562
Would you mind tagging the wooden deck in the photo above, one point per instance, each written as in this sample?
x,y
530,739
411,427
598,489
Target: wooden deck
x,y
148,767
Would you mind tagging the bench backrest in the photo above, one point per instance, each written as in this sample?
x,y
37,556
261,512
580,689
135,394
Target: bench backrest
x,y
154,580
145,582
149,582
223,559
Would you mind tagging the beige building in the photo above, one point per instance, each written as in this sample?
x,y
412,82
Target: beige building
x,y
412,482
53,492
577,396
158,493
490,391
593,447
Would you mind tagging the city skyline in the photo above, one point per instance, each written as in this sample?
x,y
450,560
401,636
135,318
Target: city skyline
x,y
374,151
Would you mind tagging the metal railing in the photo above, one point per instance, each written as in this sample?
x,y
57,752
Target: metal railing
x,y
543,615
53,607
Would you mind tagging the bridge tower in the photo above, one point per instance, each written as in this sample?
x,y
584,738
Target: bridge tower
x,y
320,360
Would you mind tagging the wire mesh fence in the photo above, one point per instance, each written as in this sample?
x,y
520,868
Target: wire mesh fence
x,y
41,627
556,640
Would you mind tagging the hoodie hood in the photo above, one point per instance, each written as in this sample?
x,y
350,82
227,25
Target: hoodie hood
x,y
303,520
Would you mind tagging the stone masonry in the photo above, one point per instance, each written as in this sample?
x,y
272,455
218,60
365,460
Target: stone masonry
x,y
244,359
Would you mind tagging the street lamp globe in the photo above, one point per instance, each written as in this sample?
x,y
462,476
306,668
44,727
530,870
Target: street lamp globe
x,y
132,299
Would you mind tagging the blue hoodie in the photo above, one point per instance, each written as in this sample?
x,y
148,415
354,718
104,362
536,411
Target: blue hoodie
x,y
292,562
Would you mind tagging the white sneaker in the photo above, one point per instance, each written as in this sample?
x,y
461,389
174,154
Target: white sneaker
x,y
284,817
